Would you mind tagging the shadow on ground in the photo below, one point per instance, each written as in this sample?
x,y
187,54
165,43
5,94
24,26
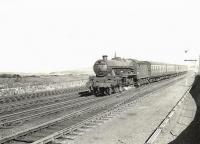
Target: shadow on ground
x,y
191,135
84,94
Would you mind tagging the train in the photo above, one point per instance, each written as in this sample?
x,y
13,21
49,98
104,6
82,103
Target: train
x,y
112,76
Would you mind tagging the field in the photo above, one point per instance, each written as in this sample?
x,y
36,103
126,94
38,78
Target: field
x,y
35,83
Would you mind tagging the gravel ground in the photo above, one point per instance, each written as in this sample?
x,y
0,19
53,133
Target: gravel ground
x,y
190,135
181,119
137,123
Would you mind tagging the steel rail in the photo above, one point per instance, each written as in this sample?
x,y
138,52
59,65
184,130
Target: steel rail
x,y
35,101
53,121
45,110
29,103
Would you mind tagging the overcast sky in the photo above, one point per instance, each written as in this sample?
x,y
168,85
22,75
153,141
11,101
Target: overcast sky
x,y
47,35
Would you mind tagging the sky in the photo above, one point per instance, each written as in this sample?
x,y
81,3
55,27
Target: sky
x,y
56,35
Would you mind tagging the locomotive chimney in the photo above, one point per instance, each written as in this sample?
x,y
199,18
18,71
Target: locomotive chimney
x,y
105,57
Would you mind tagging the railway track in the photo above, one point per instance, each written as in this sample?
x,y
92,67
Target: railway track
x,y
15,103
25,115
53,129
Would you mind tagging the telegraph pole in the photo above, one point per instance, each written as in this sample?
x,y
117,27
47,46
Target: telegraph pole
x,y
191,60
199,66
197,70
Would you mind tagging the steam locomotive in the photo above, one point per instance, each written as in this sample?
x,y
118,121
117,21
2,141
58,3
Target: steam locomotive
x,y
115,74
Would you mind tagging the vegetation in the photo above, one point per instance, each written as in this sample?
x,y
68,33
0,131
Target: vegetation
x,y
10,76
12,84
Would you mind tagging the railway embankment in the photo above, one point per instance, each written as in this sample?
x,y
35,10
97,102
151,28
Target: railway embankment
x,y
35,87
190,135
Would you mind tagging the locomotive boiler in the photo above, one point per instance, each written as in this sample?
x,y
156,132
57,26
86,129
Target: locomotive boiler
x,y
115,74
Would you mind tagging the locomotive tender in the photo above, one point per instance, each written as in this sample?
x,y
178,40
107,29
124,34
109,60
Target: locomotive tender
x,y
112,75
